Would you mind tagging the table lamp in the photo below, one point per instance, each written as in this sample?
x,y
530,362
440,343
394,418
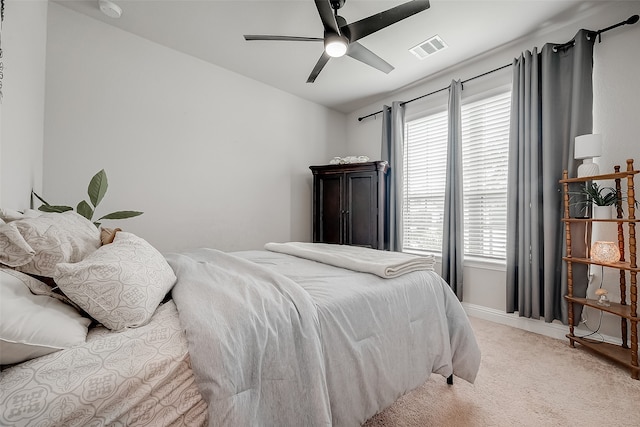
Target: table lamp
x,y
586,148
606,252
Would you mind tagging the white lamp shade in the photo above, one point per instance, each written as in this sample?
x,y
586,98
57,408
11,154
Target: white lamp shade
x,y
588,146
606,252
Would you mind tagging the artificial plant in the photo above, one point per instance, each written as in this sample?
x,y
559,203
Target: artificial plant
x,y
600,196
97,189
592,194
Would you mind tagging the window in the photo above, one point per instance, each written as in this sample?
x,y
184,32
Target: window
x,y
485,140
425,161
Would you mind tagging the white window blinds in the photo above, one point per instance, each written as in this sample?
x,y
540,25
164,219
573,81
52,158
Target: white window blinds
x,y
485,139
425,157
485,152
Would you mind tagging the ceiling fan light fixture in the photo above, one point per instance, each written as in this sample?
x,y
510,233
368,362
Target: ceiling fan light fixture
x,y
335,45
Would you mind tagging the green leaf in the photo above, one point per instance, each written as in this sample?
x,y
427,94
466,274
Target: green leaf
x,y
85,210
121,215
601,196
39,198
98,187
55,209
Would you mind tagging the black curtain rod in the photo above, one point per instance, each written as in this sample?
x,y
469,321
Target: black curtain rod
x,y
632,20
436,91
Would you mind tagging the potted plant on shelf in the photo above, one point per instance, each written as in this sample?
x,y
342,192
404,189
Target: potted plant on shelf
x,y
601,199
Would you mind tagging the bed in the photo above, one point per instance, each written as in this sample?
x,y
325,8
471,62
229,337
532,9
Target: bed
x,y
205,337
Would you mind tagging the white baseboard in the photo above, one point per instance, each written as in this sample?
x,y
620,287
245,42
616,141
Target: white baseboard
x,y
554,330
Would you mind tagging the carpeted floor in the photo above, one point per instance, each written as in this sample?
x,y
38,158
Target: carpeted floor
x,y
525,379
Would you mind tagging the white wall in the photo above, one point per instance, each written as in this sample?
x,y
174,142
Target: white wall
x,y
213,158
22,110
616,117
616,112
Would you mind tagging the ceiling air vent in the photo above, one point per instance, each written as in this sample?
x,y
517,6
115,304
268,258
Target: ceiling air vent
x,y
428,47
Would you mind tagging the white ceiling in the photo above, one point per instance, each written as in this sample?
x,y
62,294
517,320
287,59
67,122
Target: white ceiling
x,y
213,30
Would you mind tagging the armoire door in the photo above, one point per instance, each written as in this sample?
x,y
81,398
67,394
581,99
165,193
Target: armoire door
x,y
328,218
361,210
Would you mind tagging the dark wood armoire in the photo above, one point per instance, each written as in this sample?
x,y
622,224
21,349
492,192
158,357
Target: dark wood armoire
x,y
350,204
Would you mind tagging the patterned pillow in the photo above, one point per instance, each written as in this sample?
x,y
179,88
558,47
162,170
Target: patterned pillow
x,y
36,245
121,284
34,325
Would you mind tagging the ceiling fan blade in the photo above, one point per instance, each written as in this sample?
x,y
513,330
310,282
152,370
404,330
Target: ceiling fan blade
x,y
362,54
252,37
364,27
319,66
327,16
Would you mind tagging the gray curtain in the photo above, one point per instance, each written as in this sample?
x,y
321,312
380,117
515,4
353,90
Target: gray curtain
x,y
551,104
393,153
453,227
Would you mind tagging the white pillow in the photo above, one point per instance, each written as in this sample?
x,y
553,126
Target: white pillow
x,y
121,284
36,245
34,325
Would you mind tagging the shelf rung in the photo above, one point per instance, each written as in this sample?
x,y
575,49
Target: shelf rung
x,y
619,265
613,352
615,308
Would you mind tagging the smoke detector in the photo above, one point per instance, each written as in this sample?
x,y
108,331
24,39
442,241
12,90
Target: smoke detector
x,y
428,47
110,9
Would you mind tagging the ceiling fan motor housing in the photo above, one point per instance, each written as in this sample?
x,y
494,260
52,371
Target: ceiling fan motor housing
x,y
336,4
342,24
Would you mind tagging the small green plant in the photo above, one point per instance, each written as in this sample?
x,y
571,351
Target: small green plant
x,y
97,189
600,196
592,193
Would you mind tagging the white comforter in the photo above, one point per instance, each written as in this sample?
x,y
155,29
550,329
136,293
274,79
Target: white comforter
x,y
254,342
284,341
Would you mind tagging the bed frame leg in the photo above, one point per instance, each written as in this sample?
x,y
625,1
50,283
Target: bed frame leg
x,y
450,379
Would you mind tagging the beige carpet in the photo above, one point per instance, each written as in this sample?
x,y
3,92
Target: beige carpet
x,y
525,379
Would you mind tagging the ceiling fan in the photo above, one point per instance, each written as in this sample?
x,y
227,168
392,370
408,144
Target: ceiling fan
x,y
341,38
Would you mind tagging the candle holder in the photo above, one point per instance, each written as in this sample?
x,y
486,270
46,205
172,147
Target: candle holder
x,y
603,299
